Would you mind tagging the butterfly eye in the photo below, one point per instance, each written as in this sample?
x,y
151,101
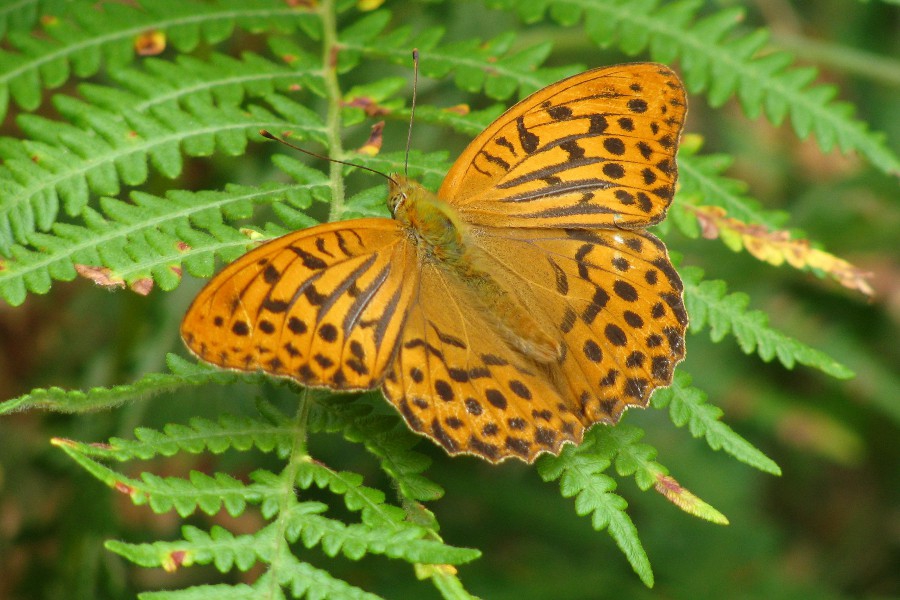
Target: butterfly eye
x,y
395,201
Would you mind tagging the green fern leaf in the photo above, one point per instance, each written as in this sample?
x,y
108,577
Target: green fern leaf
x,y
239,591
151,238
621,444
383,529
708,304
76,401
687,406
23,15
702,181
580,471
476,64
117,133
635,458
384,436
724,63
200,435
73,46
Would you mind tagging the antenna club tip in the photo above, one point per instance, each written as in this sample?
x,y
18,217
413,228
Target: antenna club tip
x,y
265,133
415,54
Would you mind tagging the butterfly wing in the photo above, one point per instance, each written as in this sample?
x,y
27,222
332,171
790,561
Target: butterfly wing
x,y
324,306
615,300
456,380
596,149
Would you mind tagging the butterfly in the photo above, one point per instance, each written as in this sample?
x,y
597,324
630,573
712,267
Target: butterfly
x,y
510,311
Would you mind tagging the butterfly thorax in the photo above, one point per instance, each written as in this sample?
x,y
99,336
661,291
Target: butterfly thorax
x,y
445,240
435,226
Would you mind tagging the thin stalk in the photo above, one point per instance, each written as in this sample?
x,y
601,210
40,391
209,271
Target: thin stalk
x,y
850,60
333,118
288,495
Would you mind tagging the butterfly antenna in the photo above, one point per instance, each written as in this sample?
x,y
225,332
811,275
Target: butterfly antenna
x,y
412,110
266,134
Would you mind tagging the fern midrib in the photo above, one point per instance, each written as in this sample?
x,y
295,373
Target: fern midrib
x,y
209,85
287,494
330,50
175,489
133,449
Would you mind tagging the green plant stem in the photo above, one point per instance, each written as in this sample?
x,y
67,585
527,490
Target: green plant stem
x,y
844,58
288,495
333,118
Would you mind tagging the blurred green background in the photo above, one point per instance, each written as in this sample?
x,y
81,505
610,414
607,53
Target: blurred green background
x,y
828,528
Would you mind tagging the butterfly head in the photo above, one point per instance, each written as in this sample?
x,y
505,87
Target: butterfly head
x,y
398,192
406,197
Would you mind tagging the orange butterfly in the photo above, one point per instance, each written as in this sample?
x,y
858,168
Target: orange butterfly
x,y
520,305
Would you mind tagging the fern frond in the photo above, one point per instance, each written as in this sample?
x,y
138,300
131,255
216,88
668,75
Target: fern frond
x,y
22,15
383,528
184,374
240,591
708,303
228,432
722,61
701,180
635,458
72,45
476,64
200,492
227,551
384,436
105,147
355,541
151,238
687,406
217,79
580,471
302,579
708,202
777,247
632,457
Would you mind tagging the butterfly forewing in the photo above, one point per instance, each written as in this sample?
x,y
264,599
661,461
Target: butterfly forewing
x,y
596,149
457,381
324,306
615,300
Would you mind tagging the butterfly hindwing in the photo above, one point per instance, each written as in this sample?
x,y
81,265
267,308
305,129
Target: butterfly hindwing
x,y
457,381
615,300
596,149
324,306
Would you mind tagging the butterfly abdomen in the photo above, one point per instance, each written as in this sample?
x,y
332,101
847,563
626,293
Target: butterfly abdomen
x,y
523,330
